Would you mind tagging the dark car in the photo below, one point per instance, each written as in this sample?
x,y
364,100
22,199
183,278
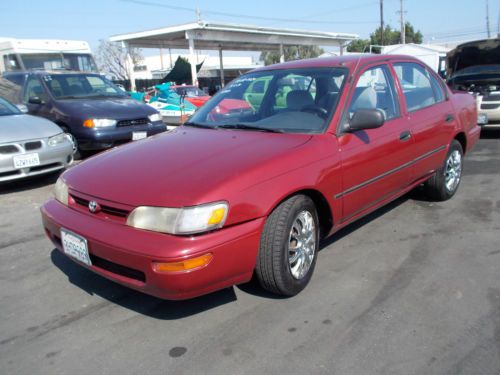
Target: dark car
x,y
93,110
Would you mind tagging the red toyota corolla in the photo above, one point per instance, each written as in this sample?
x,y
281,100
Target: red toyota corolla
x,y
320,144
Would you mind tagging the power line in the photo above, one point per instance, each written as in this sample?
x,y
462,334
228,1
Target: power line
x,y
246,16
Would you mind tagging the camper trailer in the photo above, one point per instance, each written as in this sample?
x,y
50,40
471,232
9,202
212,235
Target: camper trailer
x,y
45,54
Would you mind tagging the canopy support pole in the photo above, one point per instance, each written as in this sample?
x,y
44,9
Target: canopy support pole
x,y
130,66
192,61
282,53
221,64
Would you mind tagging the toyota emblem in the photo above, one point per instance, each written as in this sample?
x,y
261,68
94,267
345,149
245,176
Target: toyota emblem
x,y
94,207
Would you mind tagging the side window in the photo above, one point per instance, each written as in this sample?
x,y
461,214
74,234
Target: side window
x,y
34,88
417,86
375,90
437,88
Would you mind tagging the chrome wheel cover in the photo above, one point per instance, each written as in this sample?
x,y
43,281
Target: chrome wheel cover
x,y
453,171
301,244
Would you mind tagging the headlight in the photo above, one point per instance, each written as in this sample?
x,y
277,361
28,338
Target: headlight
x,y
154,117
99,123
187,220
57,139
61,191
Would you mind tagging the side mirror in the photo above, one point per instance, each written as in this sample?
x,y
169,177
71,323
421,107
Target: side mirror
x,y
366,119
35,100
22,108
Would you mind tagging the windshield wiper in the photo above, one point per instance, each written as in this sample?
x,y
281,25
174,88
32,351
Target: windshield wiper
x,y
248,127
198,125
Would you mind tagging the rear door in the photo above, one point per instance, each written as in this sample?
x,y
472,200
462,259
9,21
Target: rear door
x,y
376,163
430,115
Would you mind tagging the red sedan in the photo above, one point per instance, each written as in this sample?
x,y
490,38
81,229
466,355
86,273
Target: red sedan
x,y
325,142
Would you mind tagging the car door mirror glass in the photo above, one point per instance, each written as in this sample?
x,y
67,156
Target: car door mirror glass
x,y
35,100
366,119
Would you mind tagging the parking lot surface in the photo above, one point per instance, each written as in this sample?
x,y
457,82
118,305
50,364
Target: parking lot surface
x,y
414,288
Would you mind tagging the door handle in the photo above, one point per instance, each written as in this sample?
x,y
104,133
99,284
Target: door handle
x,y
405,136
449,118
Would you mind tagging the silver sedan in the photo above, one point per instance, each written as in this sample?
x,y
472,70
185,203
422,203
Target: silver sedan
x,y
30,145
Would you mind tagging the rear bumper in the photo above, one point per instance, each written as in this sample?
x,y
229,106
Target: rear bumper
x,y
472,137
125,255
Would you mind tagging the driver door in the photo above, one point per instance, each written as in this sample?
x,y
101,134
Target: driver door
x,y
376,163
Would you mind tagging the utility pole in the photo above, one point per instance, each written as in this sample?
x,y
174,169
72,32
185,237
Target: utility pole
x,y
488,19
382,22
402,20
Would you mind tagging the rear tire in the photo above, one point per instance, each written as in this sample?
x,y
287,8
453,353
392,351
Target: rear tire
x,y
288,247
445,182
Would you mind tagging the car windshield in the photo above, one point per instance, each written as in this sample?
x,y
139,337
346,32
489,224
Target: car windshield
x,y
8,109
281,100
78,86
190,91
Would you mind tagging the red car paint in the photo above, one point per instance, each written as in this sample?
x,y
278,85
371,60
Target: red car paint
x,y
252,171
197,101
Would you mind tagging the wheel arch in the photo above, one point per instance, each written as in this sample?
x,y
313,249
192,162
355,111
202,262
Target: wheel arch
x,y
462,139
323,208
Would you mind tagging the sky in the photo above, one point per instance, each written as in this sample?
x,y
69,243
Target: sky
x,y
94,20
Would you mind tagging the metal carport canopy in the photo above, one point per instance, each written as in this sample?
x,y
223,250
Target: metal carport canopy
x,y
223,36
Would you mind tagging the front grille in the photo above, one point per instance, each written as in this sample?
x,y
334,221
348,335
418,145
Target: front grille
x,y
8,149
118,269
28,146
490,106
135,122
113,211
491,98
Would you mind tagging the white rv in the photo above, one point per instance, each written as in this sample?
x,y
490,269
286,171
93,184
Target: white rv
x,y
45,54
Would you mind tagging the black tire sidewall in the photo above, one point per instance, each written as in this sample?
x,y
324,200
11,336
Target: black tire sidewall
x,y
292,286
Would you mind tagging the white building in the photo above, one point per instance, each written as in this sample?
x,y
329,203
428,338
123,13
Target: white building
x,y
432,55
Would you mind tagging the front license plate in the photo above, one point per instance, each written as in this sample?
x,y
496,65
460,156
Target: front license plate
x,y
75,246
139,135
26,161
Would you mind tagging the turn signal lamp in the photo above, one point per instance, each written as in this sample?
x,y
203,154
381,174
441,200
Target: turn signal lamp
x,y
184,265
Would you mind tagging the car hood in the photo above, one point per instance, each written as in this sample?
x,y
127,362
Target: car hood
x,y
115,108
181,168
17,128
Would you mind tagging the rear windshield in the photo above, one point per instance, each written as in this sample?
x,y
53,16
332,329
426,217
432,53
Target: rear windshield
x,y
77,86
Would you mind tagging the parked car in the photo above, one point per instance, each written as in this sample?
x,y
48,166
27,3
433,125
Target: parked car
x,y
192,94
475,67
30,145
210,203
87,106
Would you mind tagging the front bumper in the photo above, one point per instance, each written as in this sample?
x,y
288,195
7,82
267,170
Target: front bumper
x,y
99,139
52,158
125,255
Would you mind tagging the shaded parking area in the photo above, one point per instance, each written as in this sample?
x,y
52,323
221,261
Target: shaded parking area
x,y
413,288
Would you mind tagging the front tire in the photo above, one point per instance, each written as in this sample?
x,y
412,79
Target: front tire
x,y
445,182
288,247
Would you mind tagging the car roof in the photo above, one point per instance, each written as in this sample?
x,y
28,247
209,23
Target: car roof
x,y
44,72
350,61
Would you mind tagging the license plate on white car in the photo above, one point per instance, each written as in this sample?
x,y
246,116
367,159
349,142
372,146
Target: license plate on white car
x,y
75,246
139,135
26,161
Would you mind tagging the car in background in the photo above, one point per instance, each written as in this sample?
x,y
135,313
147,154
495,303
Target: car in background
x,y
30,145
254,191
475,67
192,94
88,107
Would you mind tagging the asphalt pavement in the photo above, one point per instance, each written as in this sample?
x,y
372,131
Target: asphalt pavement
x,y
414,288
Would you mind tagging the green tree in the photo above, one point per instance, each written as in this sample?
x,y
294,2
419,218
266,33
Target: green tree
x,y
359,45
391,36
291,53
